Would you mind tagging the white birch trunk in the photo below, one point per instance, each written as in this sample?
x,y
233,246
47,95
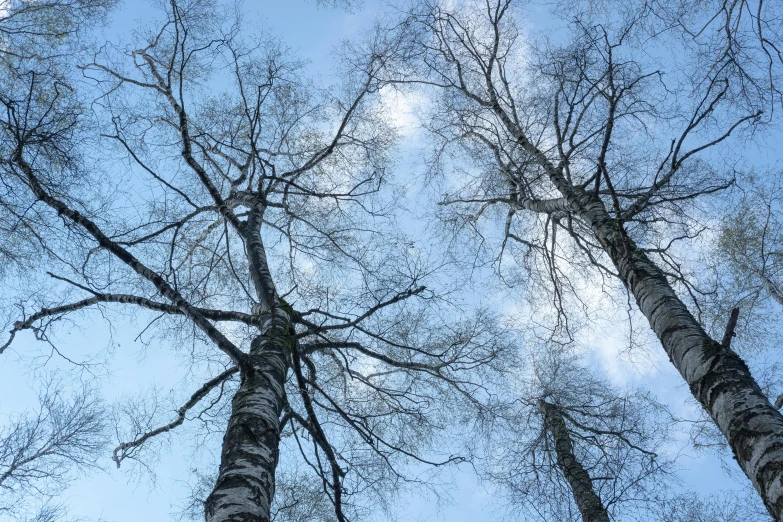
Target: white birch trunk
x,y
245,486
718,378
587,500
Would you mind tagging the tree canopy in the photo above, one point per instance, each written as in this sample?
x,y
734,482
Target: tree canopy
x,y
353,314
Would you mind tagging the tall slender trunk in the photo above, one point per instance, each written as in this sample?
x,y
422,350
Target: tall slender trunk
x,y
587,500
245,486
718,378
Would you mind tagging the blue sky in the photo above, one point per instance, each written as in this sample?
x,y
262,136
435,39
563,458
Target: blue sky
x,y
117,496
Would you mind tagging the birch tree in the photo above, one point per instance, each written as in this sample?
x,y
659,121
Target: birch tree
x,y
741,270
573,447
739,37
42,450
61,437
598,155
198,176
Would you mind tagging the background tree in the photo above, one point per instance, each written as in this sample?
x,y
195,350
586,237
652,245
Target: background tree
x,y
739,38
573,447
725,507
749,240
41,451
740,266
36,38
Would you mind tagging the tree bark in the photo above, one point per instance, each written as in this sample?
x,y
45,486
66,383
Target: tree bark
x,y
718,378
587,500
245,486
771,288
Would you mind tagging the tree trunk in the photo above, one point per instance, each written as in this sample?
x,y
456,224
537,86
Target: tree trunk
x,y
771,288
588,502
245,486
718,378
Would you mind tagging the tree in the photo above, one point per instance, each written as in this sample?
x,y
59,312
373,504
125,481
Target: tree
x,y
44,30
741,269
248,214
572,447
726,507
41,451
599,155
739,38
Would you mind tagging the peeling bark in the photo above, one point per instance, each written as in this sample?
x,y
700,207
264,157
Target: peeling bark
x,y
245,486
587,500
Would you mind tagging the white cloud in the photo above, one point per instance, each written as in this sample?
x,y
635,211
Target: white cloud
x,y
403,109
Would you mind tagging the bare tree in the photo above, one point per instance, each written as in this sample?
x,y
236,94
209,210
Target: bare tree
x,y
740,38
572,447
247,212
597,156
723,507
587,500
41,451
